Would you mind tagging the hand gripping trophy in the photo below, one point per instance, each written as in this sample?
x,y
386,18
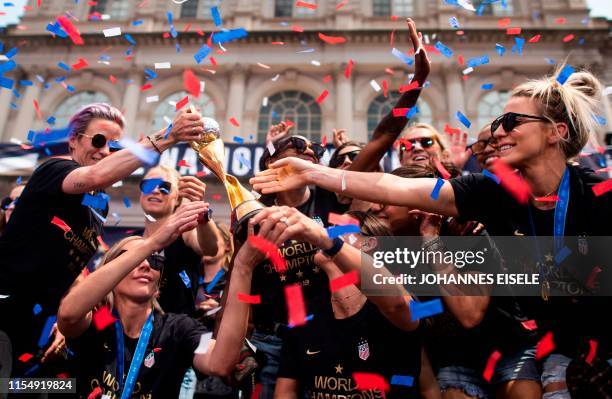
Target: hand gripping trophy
x,y
243,205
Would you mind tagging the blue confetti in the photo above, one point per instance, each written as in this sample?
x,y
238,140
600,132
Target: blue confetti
x,y
474,62
229,35
48,151
150,74
403,57
600,119
412,112
238,139
337,231
60,79
405,380
202,53
98,201
501,50
19,180
447,52
46,331
487,86
37,309
55,136
463,119
130,39
550,61
168,130
562,254
581,41
11,53
177,47
519,45
185,279
7,66
565,74
420,310
51,120
149,185
453,22
137,22
491,176
216,15
6,83
32,370
147,156
435,193
70,88
126,202
25,83
215,280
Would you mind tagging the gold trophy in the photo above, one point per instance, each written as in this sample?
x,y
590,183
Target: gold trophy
x,y
243,204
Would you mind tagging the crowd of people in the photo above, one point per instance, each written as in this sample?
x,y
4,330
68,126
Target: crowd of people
x,y
184,300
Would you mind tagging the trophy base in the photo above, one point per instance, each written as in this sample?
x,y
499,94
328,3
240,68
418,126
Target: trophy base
x,y
240,219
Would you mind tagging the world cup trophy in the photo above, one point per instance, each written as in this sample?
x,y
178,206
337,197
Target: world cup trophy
x,y
243,204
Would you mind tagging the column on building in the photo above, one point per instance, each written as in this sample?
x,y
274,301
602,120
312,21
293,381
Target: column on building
x,y
26,111
131,100
235,101
344,103
454,92
5,109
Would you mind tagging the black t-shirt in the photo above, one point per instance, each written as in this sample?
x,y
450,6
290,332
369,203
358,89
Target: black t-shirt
x,y
39,261
179,280
573,319
323,355
168,355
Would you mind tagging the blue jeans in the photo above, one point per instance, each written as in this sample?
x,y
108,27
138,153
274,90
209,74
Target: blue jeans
x,y
189,384
270,346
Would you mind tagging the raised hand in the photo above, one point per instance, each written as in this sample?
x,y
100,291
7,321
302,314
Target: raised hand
x,y
283,175
277,132
187,126
282,223
421,58
339,137
191,188
457,152
184,219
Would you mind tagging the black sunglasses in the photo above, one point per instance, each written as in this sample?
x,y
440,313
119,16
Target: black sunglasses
x,y
425,142
511,120
147,186
479,146
338,159
156,261
99,140
301,145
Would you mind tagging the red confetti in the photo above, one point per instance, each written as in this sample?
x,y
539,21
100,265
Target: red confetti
x,y
560,20
191,83
490,367
512,182
399,112
202,174
306,5
102,243
348,69
602,188
441,169
385,87
503,22
38,113
392,38
451,130
216,197
334,218
592,351
25,357
182,103
408,87
347,279
71,30
529,325
296,309
61,224
367,381
324,141
279,43
146,87
257,391
183,163
63,376
102,318
535,39
271,252
289,123
234,122
461,60
341,4
545,346
407,144
513,31
322,96
187,27
166,35
80,64
297,28
549,198
252,299
327,79
568,38
155,350
112,79
95,393
332,39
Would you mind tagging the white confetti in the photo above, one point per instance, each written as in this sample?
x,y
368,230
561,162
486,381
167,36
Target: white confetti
x,y
466,4
352,239
16,141
468,70
163,65
263,65
315,63
607,91
264,102
204,342
3,57
110,32
255,194
271,148
150,218
202,86
152,99
275,78
375,85
117,184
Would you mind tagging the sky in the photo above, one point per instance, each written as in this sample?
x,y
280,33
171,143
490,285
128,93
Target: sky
x,y
598,8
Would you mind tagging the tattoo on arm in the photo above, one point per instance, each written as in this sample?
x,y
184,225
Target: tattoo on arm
x,y
79,185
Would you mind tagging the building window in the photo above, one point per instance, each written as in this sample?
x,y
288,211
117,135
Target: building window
x,y
494,7
381,106
115,9
491,106
198,9
288,9
166,110
399,8
72,104
297,107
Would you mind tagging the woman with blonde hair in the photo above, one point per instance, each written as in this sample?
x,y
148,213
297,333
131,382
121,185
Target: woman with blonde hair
x,y
546,123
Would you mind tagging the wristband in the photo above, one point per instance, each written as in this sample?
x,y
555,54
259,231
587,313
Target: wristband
x,y
333,251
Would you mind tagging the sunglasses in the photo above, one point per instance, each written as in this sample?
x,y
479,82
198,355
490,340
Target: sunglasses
x,y
301,145
99,140
408,144
147,186
511,120
479,146
338,159
156,261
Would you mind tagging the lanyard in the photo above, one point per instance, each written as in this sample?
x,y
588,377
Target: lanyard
x,y
143,340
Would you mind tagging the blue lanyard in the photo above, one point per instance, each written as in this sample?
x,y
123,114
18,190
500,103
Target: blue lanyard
x,y
143,340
